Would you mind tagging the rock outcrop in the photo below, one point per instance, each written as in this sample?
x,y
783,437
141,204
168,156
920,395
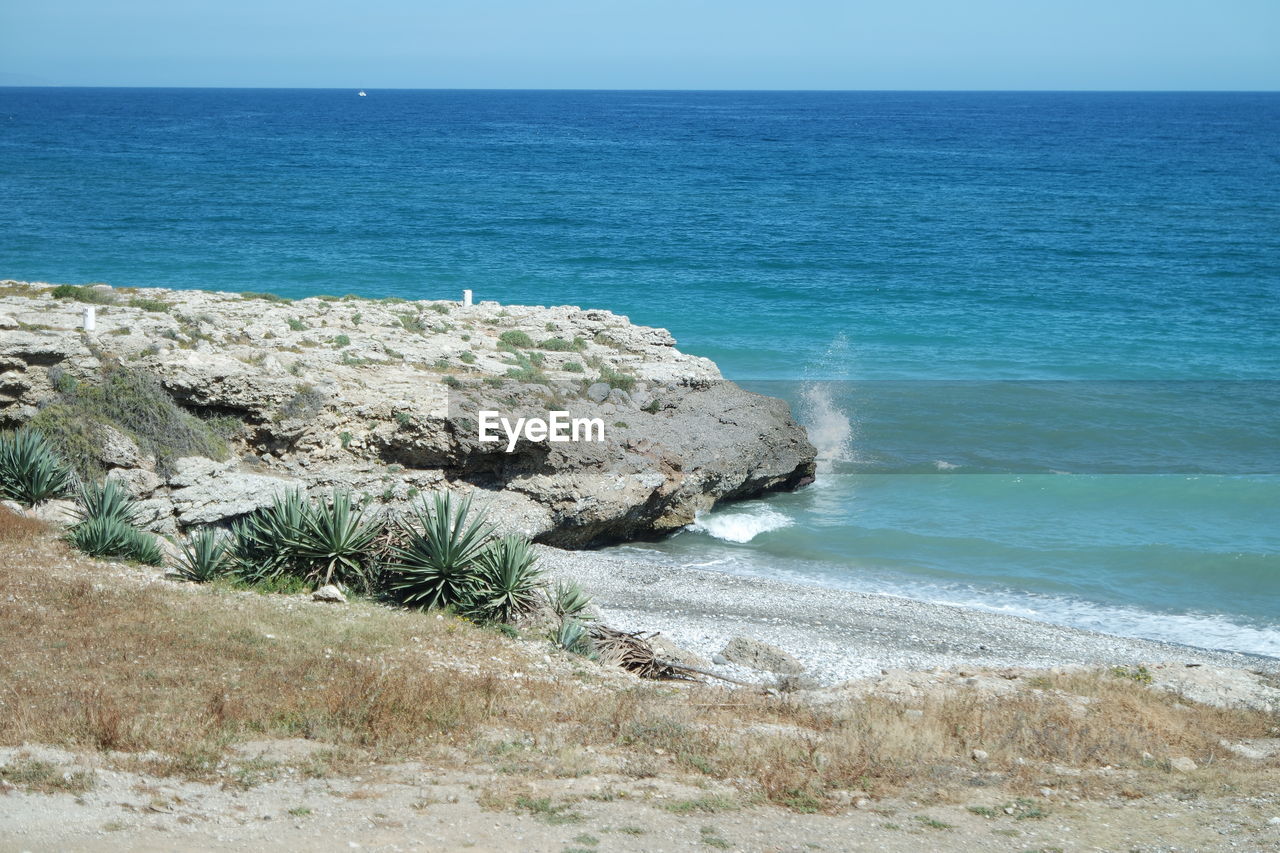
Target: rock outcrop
x,y
383,397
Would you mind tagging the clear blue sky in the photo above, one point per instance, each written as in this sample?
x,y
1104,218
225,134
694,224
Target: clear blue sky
x,y
617,44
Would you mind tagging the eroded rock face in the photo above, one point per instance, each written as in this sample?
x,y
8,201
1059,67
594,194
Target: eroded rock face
x,y
382,397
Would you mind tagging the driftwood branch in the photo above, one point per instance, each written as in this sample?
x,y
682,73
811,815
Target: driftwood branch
x,y
634,653
700,671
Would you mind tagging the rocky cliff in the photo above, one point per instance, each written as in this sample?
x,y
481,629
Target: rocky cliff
x,y
385,397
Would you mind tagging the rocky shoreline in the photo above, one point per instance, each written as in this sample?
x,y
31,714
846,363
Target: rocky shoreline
x,y
383,398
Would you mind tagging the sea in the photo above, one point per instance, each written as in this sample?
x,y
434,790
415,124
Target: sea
x,y
1034,335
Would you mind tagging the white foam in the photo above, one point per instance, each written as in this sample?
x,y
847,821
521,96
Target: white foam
x,y
830,429
740,525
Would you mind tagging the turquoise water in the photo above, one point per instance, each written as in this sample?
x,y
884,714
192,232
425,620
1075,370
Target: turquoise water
x,y
1034,335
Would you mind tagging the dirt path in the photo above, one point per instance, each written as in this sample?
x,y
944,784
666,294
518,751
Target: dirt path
x,y
412,807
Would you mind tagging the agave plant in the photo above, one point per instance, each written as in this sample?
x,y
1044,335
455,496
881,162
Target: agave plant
x,y
567,599
107,501
106,525
101,537
204,556
111,537
260,548
435,566
507,582
335,542
30,470
573,637
142,547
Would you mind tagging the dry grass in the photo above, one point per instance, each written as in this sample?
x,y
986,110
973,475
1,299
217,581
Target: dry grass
x,y
18,529
93,658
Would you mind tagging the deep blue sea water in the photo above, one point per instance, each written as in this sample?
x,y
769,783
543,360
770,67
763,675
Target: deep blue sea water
x,y
1034,334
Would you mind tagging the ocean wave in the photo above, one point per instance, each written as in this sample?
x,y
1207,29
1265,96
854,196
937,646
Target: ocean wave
x,y
740,525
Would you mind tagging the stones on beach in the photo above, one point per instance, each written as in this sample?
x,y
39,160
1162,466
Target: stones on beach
x,y
330,594
1182,764
664,648
761,656
980,756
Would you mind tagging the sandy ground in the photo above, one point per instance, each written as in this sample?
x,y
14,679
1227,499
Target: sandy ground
x,y
840,634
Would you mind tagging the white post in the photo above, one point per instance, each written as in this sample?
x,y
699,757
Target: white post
x,y
466,299
90,321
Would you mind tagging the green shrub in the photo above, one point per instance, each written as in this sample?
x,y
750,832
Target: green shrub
x,y
572,367
157,305
335,543
266,297
616,379
297,325
436,565
31,471
413,323
204,556
133,402
439,308
561,345
341,341
525,369
516,338
507,584
468,358
84,294
308,401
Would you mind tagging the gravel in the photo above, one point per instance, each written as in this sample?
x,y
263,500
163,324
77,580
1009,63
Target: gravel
x,y
842,635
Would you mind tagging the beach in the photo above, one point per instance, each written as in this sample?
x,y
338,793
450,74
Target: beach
x,y
842,635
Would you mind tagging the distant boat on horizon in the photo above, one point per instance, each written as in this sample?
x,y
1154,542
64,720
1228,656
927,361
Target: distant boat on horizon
x,y
362,94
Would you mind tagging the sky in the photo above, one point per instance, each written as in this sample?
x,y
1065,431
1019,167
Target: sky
x,y
645,44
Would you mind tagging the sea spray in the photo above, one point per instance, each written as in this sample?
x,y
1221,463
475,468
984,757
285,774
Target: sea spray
x,y
830,429
741,524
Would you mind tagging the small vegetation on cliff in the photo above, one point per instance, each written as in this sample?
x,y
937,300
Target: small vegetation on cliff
x,y
132,402
526,367
516,338
84,293
306,402
155,305
615,378
31,471
561,345
265,297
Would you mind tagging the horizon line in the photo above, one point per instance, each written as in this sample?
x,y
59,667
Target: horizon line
x,y
626,89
